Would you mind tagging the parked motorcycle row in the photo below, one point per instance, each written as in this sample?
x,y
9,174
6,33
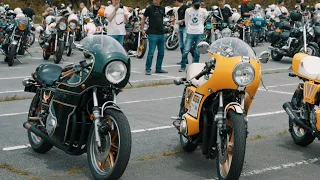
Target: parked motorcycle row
x,y
75,107
15,33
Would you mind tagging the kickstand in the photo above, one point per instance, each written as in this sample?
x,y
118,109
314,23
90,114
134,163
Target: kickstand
x,y
130,83
29,53
263,84
63,59
19,60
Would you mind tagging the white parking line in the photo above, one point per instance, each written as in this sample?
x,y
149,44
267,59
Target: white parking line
x,y
5,92
280,92
282,85
133,131
278,167
21,77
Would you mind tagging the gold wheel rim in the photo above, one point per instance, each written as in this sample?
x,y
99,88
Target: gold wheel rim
x,y
225,167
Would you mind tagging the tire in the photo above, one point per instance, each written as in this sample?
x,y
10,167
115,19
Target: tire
x,y
247,36
45,55
41,146
11,55
276,56
175,42
315,50
123,154
301,140
144,49
59,52
187,145
69,49
254,39
31,39
239,148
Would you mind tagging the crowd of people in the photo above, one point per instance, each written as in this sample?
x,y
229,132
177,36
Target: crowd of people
x,y
190,17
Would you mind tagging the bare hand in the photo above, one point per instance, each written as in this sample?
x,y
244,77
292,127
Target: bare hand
x,y
143,33
117,7
180,22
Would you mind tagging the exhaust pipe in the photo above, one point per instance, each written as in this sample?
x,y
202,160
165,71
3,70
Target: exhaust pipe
x,y
288,108
37,132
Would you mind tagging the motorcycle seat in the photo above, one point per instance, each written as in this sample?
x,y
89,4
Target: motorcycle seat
x,y
193,70
316,30
309,67
49,73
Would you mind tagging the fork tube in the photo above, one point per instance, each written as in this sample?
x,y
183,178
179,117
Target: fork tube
x,y
219,119
304,38
139,39
96,113
67,41
56,42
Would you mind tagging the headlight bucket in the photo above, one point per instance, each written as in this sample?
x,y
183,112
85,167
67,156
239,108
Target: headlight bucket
x,y
116,72
61,24
243,74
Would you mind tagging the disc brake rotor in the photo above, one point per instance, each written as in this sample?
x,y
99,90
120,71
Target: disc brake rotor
x,y
102,152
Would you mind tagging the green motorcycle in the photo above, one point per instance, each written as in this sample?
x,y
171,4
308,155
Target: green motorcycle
x,y
75,110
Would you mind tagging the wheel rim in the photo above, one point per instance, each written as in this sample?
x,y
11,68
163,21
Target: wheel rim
x,y
173,43
298,131
103,162
310,51
140,49
226,153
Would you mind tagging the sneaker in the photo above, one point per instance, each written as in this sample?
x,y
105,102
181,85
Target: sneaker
x,y
148,73
182,70
161,71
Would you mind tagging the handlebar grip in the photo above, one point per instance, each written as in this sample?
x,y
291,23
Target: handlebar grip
x,y
200,74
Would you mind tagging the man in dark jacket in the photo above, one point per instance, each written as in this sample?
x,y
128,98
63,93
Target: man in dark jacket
x,y
29,11
246,8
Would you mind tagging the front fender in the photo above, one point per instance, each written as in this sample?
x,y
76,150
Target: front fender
x,y
110,105
234,106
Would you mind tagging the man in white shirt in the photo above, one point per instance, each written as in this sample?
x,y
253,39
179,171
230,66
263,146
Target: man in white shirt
x,y
117,16
84,10
194,21
279,11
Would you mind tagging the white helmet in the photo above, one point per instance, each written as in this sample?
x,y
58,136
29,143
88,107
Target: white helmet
x,y
18,11
49,19
273,7
239,7
2,10
234,10
235,17
39,29
20,15
214,7
317,6
90,28
6,6
258,6
228,6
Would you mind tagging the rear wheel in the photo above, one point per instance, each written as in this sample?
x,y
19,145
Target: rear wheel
x,y
231,156
111,159
37,144
276,56
59,52
45,55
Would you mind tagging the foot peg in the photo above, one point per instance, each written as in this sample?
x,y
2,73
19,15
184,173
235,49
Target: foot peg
x,y
180,81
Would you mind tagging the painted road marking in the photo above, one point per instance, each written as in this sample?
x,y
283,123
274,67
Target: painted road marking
x,y
21,77
135,131
276,168
274,91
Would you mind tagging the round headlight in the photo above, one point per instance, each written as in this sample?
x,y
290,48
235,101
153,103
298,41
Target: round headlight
x,y
62,26
116,72
243,74
226,32
72,26
22,26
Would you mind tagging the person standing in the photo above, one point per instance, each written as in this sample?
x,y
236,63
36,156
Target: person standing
x,y
117,16
194,20
246,8
95,8
84,9
280,11
156,36
29,11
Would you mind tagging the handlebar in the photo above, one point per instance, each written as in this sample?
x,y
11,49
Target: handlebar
x,y
206,70
76,69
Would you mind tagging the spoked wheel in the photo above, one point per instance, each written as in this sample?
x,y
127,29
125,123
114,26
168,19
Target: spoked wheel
x,y
36,142
110,160
231,156
142,49
172,43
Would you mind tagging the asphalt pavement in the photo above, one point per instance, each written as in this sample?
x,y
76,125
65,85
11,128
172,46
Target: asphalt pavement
x,y
156,152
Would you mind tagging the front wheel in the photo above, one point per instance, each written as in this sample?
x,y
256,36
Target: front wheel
x,y
59,52
300,136
312,50
109,161
37,144
142,49
231,156
69,48
31,39
12,54
254,41
172,43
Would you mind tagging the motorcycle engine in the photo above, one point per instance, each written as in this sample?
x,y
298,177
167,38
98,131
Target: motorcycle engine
x,y
51,125
313,117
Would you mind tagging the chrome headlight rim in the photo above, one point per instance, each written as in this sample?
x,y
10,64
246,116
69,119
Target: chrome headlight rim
x,y
226,32
62,26
108,72
72,26
243,69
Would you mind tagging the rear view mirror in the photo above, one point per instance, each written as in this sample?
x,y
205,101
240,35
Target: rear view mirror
x,y
264,57
203,47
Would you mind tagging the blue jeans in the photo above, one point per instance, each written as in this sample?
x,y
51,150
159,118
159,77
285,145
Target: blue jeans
x,y
182,40
119,38
190,40
155,40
